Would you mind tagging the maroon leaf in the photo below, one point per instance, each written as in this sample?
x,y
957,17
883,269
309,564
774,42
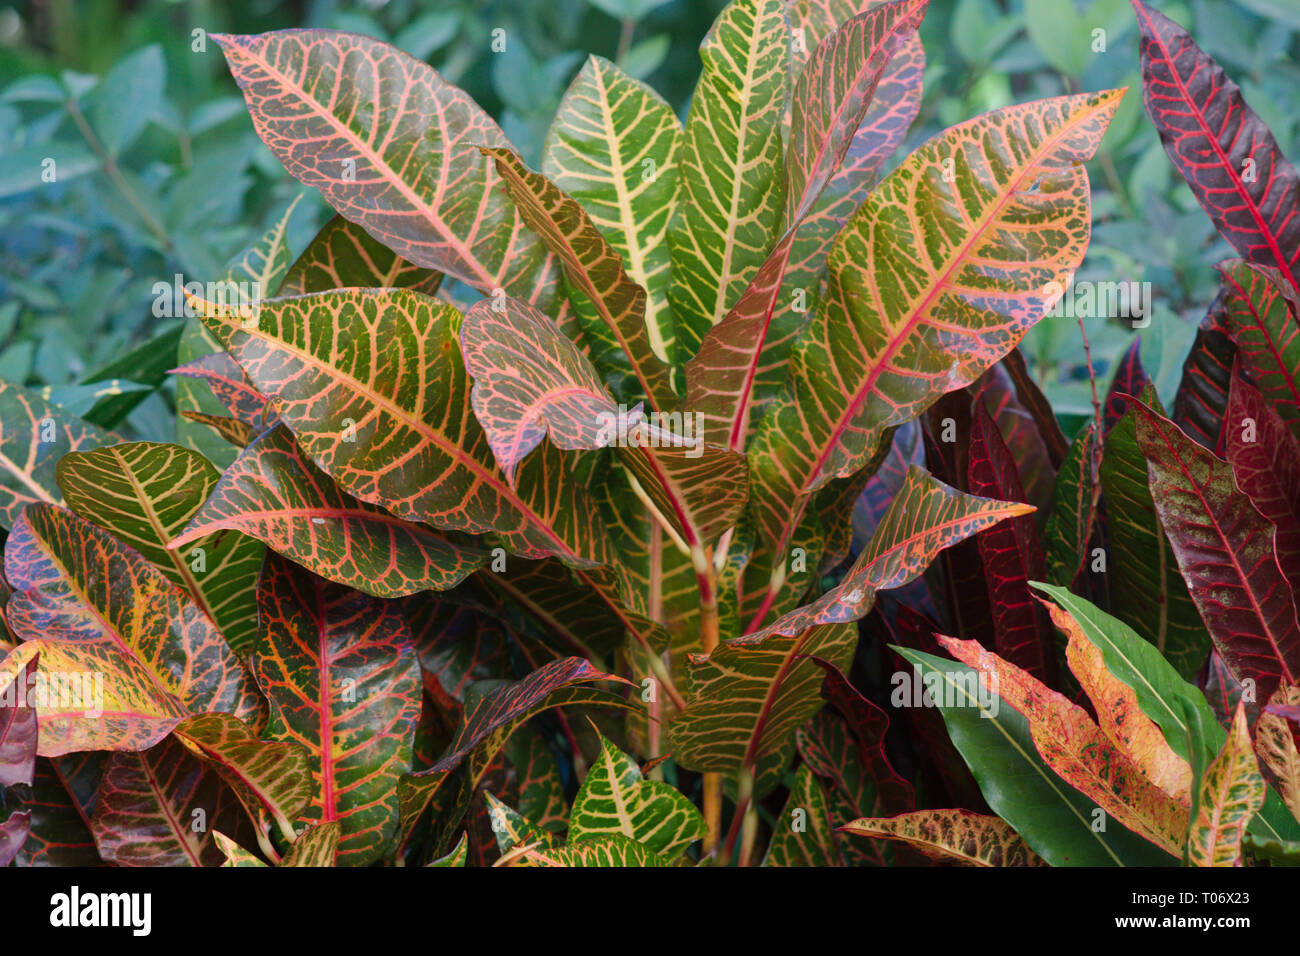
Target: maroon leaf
x,y
1129,379
1224,550
1224,151
17,728
1202,398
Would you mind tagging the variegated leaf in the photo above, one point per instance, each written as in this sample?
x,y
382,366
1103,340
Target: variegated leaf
x,y
733,192
145,493
1231,792
953,836
615,798
410,174
614,147
919,306
803,835
382,405
614,850
345,256
272,493
342,679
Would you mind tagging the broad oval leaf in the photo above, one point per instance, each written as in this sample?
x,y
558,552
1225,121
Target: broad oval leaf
x,y
931,282
272,493
345,256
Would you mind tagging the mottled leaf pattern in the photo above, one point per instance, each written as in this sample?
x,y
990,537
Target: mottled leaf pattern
x,y
342,679
920,306
615,798
803,834
1231,793
272,493
953,836
614,147
145,493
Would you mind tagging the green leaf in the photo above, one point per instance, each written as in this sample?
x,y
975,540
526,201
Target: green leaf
x,y
615,798
342,681
803,834
614,850
732,187
1073,510
344,256
145,493
614,147
272,493
1231,792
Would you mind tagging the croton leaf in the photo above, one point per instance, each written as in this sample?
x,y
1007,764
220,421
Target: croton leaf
x,y
611,850
1073,510
530,381
267,776
1262,315
748,697
1223,149
34,435
345,256
1203,388
231,387
99,614
59,830
320,845
159,808
1265,459
1224,548
456,858
1075,747
615,798
1275,745
832,96
593,268
883,346
995,740
1147,591
382,405
231,430
410,175
733,192
145,493
513,829
952,836
235,854
488,723
803,835
614,147
1231,792
13,834
18,726
1010,552
274,494
342,679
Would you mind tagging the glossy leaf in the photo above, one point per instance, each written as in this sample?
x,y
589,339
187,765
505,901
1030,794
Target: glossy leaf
x,y
1224,548
614,146
952,836
343,682
272,493
231,387
1222,148
803,835
884,346
1073,510
615,798
145,493
411,175
1261,314
614,850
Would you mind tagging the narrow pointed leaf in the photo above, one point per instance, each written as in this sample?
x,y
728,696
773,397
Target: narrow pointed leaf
x,y
231,387
1073,510
1203,389
733,193
952,836
803,835
342,679
883,346
614,147
1222,148
272,493
1262,315
592,267
1073,746
1231,793
1224,547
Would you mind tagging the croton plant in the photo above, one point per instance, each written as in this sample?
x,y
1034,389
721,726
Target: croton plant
x,y
685,502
